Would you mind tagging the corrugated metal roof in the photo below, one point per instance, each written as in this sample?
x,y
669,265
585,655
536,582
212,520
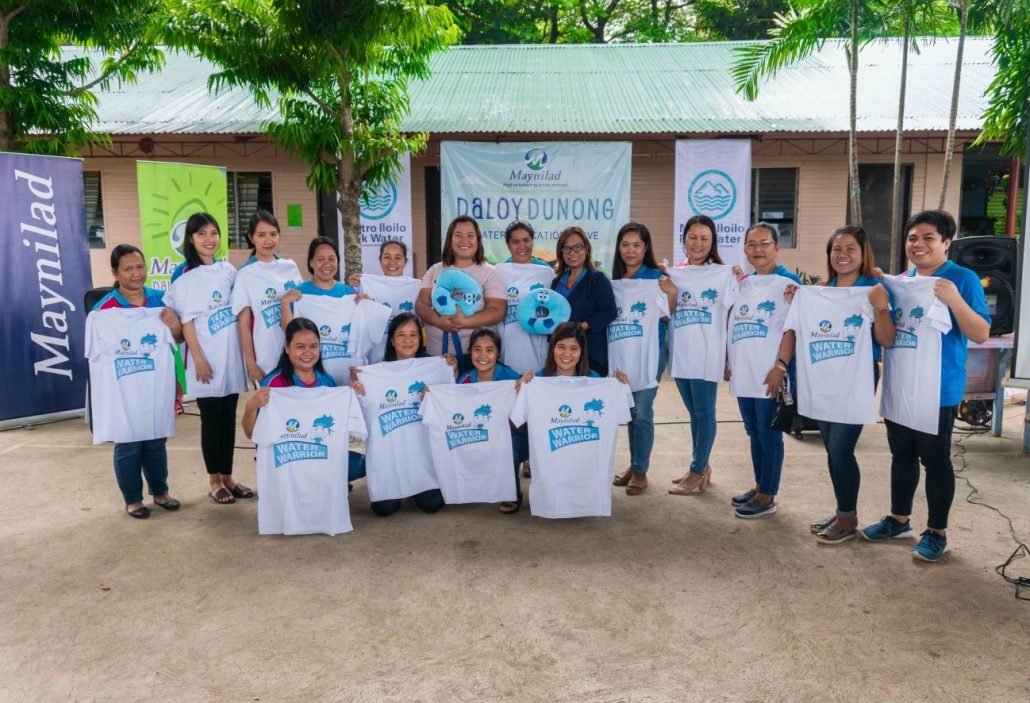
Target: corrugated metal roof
x,y
609,89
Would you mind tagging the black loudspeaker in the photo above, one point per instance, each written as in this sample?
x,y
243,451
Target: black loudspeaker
x,y
994,259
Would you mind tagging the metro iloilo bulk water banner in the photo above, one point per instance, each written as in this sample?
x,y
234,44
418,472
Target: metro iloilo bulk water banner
x,y
550,185
713,178
385,216
44,276
168,194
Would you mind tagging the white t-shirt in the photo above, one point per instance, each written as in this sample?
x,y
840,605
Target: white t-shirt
x,y
633,336
912,367
259,286
470,440
834,353
755,331
131,375
572,433
203,296
348,330
399,292
302,460
697,329
522,351
397,458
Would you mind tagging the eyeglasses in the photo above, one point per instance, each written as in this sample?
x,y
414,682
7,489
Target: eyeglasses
x,y
764,244
574,249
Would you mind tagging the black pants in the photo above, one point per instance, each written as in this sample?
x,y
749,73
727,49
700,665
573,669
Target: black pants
x,y
910,447
430,501
218,432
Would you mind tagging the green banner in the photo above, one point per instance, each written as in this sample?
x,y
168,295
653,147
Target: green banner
x,y
168,194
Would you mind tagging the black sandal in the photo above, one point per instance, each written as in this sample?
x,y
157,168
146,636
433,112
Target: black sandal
x,y
241,491
221,495
170,504
139,513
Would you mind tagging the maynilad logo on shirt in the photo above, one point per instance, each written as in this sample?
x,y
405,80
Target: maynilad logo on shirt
x,y
695,312
334,345
222,316
396,412
829,344
462,431
294,445
568,429
746,325
907,337
129,359
271,312
512,316
629,324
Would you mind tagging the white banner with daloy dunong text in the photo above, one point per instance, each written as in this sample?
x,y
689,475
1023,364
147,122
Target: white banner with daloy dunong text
x,y
713,178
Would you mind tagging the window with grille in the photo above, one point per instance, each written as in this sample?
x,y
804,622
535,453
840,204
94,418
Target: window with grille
x,y
94,209
774,197
247,192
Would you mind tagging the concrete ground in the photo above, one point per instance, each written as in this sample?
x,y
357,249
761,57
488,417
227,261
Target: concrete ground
x,y
670,599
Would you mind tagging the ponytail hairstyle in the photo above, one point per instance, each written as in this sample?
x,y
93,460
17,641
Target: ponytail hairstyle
x,y
285,366
259,216
121,251
568,330
194,224
856,231
395,323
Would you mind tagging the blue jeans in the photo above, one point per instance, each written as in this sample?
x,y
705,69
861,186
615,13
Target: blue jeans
x,y
840,440
699,397
150,456
355,465
641,425
766,443
520,452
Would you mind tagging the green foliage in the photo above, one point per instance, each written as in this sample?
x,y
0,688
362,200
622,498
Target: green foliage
x,y
47,103
737,19
1005,118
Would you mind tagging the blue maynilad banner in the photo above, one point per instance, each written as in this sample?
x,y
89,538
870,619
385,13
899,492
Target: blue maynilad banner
x,y
44,275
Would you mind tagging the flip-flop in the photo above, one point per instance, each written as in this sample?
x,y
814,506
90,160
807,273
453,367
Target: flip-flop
x,y
241,491
220,496
509,507
623,478
170,504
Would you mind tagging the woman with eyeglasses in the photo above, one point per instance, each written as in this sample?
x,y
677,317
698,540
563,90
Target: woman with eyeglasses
x,y
756,329
589,293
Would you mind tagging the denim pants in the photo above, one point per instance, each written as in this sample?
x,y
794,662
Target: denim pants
x,y
840,440
520,453
766,443
910,447
641,425
699,397
149,456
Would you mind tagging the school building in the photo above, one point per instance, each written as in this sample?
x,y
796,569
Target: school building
x,y
649,95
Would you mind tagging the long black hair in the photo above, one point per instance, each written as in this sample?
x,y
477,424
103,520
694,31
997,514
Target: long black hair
x,y
120,251
260,216
568,330
194,224
486,332
705,220
618,265
395,323
285,366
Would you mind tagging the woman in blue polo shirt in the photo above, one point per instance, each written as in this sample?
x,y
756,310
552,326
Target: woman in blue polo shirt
x,y
634,259
323,265
929,237
149,458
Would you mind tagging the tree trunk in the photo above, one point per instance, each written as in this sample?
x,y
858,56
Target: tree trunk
x,y
6,118
349,179
553,21
854,198
949,148
892,264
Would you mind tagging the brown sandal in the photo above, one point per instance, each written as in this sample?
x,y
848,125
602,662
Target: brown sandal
x,y
623,478
222,496
637,484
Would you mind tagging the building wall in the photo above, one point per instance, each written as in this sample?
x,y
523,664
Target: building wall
x,y
821,205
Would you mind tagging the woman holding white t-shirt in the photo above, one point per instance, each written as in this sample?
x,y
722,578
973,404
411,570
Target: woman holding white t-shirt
x,y
201,291
761,246
702,247
259,287
849,262
462,249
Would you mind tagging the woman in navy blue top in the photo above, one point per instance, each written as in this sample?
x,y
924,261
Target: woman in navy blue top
x,y
588,291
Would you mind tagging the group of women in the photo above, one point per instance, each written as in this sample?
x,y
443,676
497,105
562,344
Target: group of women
x,y
279,349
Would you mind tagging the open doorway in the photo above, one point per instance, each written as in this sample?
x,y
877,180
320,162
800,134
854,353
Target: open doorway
x,y
877,183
